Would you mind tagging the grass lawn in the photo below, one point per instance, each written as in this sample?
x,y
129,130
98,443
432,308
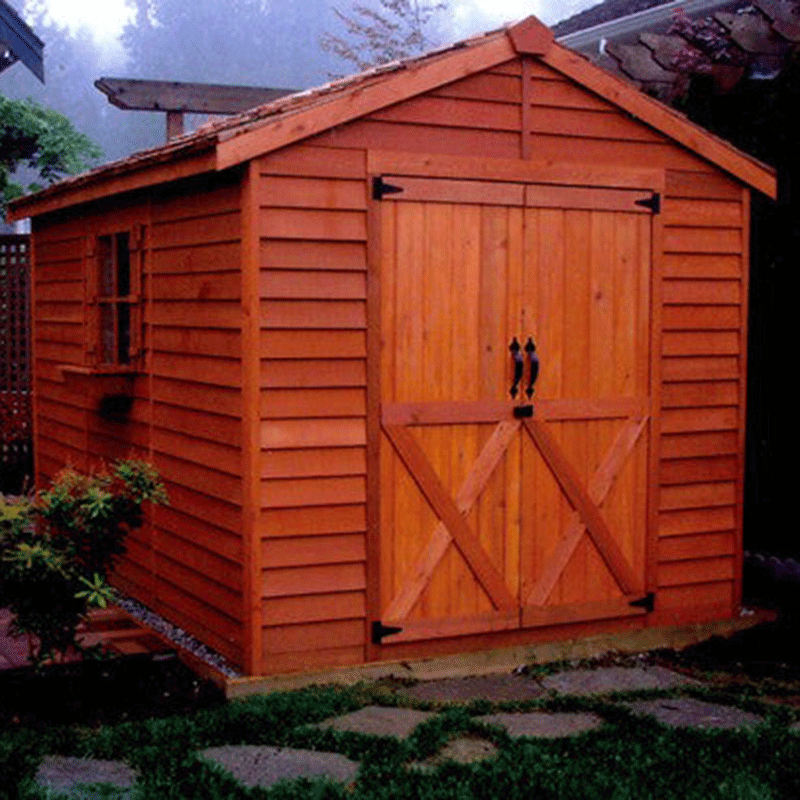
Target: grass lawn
x,y
629,757
157,717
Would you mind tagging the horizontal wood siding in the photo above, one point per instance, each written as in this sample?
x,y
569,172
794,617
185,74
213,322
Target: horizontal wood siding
x,y
193,324
566,122
313,376
702,351
313,407
68,429
186,415
479,115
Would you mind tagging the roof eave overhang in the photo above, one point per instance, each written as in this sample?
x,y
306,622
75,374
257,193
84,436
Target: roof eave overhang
x,y
662,118
160,166
227,148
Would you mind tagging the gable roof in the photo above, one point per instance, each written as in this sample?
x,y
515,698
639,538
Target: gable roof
x,y
260,130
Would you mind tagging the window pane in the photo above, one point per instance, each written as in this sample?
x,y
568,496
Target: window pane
x,y
123,265
105,257
123,333
107,349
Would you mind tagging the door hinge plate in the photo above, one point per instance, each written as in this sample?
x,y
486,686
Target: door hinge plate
x,y
653,203
381,188
379,630
648,602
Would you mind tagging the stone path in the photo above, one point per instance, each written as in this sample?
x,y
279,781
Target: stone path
x,y
543,725
693,713
614,679
65,774
494,688
265,766
379,721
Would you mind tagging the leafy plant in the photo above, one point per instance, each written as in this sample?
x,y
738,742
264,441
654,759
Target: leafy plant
x,y
58,549
41,140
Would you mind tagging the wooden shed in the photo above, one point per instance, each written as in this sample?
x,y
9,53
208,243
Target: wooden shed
x,y
307,317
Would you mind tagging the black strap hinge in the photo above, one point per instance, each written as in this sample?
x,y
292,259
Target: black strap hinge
x,y
653,203
381,188
648,602
379,630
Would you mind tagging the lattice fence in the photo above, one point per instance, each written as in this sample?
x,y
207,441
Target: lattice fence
x,y
15,363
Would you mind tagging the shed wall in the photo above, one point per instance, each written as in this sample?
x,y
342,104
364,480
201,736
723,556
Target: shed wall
x,y
314,250
186,417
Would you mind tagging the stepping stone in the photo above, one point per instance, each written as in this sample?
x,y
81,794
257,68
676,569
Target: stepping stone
x,y
464,750
495,688
254,765
615,679
686,711
379,721
68,775
543,725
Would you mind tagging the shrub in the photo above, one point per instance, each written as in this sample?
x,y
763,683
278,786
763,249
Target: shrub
x,y
57,550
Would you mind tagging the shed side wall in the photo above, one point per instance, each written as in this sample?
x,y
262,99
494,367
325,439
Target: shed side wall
x,y
313,261
186,562
194,324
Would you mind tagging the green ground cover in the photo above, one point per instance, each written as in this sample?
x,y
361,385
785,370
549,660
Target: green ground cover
x,y
629,757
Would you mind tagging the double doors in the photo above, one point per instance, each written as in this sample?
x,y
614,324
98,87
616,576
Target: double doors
x,y
499,513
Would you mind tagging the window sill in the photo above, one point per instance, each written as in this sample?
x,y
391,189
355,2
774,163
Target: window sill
x,y
98,372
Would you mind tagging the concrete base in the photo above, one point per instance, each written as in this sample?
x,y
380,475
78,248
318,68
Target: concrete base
x,y
502,660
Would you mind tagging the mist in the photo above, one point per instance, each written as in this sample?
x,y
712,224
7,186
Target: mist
x,y
245,42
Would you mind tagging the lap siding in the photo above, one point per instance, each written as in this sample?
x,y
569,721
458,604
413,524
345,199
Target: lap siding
x,y
701,456
313,410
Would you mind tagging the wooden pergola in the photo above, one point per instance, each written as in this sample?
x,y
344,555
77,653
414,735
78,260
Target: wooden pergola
x,y
175,98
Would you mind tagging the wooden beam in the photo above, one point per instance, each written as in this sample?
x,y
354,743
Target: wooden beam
x,y
252,533
599,487
582,502
479,167
471,488
443,505
191,98
174,124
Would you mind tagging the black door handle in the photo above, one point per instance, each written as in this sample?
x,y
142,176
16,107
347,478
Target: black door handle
x,y
530,349
519,365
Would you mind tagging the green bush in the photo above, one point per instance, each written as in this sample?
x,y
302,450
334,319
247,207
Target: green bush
x,y
58,549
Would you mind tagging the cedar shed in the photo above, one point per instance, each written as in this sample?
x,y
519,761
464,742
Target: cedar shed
x,y
316,319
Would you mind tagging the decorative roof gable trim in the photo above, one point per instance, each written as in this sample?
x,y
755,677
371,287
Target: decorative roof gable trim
x,y
661,117
238,145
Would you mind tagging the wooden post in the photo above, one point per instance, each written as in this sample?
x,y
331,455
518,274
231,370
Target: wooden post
x,y
174,124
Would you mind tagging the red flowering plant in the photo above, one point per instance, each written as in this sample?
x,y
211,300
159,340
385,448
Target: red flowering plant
x,y
57,550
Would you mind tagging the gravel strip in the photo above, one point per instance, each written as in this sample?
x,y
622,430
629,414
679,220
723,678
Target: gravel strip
x,y
176,635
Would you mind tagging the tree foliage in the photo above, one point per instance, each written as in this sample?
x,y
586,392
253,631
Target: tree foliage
x,y
394,30
42,141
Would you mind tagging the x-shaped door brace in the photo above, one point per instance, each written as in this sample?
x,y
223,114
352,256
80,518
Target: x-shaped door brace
x,y
454,527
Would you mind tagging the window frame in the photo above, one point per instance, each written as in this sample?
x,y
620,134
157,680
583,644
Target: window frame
x,y
107,291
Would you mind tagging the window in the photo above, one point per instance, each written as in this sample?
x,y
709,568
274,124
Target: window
x,y
116,301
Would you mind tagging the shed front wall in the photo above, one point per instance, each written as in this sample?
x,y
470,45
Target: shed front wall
x,y
186,562
320,344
